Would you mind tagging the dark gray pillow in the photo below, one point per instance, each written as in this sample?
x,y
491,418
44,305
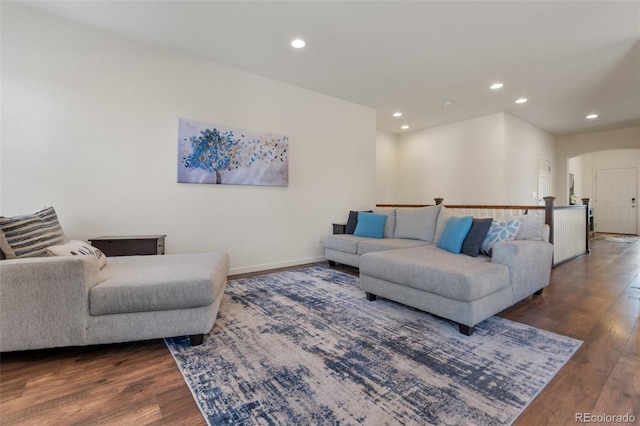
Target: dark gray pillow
x,y
472,244
352,222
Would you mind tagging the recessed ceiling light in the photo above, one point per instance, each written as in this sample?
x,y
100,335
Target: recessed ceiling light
x,y
397,114
405,127
521,100
592,116
298,43
496,86
447,103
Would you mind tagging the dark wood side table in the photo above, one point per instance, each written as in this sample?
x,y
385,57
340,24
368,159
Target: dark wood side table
x,y
129,245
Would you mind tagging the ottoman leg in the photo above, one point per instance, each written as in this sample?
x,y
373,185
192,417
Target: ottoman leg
x,y
196,339
371,297
539,292
332,263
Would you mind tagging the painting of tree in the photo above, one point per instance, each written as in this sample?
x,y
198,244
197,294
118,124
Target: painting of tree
x,y
223,155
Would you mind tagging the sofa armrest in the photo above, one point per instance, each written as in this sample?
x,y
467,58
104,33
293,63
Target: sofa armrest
x,y
529,264
44,301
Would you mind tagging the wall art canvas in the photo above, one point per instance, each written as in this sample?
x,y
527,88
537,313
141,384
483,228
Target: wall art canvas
x,y
215,154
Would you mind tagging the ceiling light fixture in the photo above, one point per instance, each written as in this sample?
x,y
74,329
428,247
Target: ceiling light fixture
x,y
405,127
447,103
592,116
496,86
298,43
397,114
521,100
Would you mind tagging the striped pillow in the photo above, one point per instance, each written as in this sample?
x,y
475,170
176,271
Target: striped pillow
x,y
30,235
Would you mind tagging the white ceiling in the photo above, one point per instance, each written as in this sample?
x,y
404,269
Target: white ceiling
x,y
569,58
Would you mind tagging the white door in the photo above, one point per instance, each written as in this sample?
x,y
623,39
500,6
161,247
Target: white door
x,y
616,201
544,179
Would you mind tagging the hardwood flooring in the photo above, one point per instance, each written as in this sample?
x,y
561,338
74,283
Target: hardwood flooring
x,y
594,298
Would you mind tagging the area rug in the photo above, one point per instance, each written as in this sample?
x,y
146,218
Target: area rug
x,y
306,347
629,239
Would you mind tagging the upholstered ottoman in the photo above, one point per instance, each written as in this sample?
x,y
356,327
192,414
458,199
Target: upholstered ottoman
x,y
464,289
177,292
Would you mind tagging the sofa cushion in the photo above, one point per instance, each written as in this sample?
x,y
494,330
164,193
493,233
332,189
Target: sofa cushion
x,y
154,283
343,242
78,248
454,233
370,225
531,227
434,270
416,223
443,218
370,245
472,244
390,223
500,230
29,235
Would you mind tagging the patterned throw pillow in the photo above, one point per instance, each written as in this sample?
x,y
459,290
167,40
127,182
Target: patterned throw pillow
x,y
78,248
29,235
501,230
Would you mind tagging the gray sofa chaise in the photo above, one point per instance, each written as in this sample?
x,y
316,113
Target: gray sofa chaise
x,y
409,268
69,301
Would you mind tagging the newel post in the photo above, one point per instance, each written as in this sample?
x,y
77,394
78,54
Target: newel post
x,y
438,200
548,215
585,201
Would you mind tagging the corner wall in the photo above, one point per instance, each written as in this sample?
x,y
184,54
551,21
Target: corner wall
x,y
89,125
485,160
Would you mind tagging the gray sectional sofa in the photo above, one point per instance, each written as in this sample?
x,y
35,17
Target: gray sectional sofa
x,y
406,266
69,301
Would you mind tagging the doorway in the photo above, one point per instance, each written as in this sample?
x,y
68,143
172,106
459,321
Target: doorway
x,y
615,200
544,179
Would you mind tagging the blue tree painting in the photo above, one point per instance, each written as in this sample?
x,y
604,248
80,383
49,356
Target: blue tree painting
x,y
211,153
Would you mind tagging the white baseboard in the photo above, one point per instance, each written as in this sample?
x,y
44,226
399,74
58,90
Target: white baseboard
x,y
275,265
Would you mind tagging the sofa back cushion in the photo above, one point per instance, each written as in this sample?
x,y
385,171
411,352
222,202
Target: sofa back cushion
x,y
390,222
417,223
531,228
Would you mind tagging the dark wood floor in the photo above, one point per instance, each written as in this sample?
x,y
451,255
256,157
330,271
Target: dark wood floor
x,y
595,298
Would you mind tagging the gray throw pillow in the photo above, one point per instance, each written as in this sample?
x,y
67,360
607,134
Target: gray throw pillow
x,y
472,244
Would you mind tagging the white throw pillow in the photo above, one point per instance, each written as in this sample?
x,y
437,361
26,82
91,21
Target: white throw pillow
x,y
78,248
500,230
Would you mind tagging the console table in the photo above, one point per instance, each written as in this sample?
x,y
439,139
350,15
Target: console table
x,y
129,245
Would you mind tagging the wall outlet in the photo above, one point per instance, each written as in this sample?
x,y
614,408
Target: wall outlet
x,y
320,238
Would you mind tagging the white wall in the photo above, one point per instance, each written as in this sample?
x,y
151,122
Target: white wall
x,y
524,145
89,125
386,167
485,160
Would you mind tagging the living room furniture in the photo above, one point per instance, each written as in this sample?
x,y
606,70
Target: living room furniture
x,y
339,228
129,245
69,301
408,266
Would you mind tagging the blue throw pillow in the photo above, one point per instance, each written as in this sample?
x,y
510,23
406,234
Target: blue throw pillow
x,y
370,225
454,233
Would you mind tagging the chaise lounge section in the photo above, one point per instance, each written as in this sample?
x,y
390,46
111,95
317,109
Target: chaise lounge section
x,y
69,301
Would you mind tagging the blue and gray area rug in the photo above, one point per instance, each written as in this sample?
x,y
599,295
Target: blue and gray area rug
x,y
306,347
